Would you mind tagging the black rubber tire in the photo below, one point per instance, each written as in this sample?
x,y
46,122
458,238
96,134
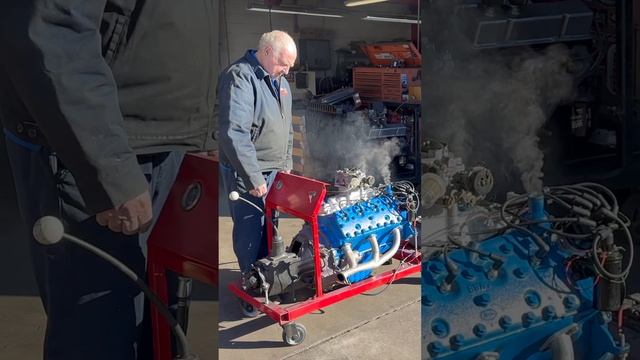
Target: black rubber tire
x,y
248,310
299,333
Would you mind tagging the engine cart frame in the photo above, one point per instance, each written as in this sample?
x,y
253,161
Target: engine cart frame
x,y
303,197
184,239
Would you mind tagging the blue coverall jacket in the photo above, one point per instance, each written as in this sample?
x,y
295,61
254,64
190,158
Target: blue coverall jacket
x,y
256,134
100,82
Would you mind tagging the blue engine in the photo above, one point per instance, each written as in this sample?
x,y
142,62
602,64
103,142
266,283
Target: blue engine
x,y
522,294
359,229
356,224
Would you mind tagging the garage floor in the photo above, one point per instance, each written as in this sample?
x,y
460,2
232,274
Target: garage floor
x,y
23,323
385,326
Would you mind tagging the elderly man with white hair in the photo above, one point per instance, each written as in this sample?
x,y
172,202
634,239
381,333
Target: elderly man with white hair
x,y
255,136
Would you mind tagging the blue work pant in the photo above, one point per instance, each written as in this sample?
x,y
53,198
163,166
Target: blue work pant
x,y
249,228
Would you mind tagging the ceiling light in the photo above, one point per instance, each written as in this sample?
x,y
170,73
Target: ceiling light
x,y
361,2
391,19
293,12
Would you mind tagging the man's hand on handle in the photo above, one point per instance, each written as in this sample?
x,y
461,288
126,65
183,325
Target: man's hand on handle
x,y
132,217
260,191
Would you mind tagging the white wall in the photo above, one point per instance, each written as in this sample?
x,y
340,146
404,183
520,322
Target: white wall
x,y
243,28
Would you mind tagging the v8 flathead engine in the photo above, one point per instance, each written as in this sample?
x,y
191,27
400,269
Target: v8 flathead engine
x,y
360,228
547,284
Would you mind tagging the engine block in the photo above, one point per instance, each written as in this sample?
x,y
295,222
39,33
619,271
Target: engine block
x,y
351,229
546,285
513,312
360,228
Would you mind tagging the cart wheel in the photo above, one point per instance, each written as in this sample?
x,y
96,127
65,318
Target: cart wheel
x,y
248,310
293,334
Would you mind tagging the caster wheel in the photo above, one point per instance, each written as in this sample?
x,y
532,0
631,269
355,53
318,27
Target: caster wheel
x,y
248,310
293,334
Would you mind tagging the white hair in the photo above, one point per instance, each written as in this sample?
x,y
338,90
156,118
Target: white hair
x,y
277,40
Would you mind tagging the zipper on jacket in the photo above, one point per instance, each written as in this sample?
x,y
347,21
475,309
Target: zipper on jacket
x,y
210,89
279,96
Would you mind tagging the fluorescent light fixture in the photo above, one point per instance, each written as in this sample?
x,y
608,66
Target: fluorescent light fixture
x,y
391,19
293,12
361,2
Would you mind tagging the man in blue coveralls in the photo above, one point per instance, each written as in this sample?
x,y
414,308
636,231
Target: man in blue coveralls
x,y
256,136
99,100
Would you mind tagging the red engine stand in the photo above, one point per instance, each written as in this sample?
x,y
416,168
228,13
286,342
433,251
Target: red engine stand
x,y
302,197
185,238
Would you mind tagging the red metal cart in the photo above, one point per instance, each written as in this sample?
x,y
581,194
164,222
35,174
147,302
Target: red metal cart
x,y
302,197
185,238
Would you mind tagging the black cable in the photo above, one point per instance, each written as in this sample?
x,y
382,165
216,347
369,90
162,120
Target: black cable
x,y
469,248
599,196
159,305
568,189
569,235
559,200
525,223
573,208
601,270
610,210
607,191
625,219
575,199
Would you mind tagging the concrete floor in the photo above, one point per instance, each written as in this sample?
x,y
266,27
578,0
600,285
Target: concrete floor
x,y
383,326
358,328
24,324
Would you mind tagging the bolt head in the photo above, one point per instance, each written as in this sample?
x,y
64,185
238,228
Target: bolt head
x,y
482,300
505,322
436,348
457,341
480,330
548,312
528,318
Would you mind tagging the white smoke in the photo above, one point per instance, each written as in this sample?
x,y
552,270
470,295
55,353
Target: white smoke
x,y
341,142
491,109
376,160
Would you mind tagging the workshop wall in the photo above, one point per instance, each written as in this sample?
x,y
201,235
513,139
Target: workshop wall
x,y
241,29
